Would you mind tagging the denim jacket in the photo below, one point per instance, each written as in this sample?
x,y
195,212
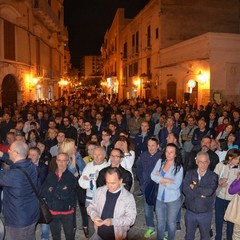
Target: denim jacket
x,y
172,190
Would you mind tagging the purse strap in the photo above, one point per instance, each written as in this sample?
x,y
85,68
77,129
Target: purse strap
x,y
30,181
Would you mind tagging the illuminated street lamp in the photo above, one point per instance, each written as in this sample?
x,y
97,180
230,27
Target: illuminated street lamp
x,y
191,84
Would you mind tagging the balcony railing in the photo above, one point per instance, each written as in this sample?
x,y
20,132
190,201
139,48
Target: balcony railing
x,y
45,14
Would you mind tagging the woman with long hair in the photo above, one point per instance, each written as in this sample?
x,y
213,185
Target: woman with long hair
x,y
231,141
227,172
32,138
168,173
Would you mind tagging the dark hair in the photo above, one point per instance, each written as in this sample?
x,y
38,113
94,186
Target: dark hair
x,y
33,124
112,123
61,131
36,149
68,118
206,136
223,145
107,130
154,139
120,152
232,133
36,134
20,121
231,153
112,170
177,160
123,131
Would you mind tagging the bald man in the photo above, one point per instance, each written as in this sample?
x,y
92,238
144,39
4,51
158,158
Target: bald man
x,y
20,204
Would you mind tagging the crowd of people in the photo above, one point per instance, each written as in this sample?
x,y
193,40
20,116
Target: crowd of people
x,y
91,152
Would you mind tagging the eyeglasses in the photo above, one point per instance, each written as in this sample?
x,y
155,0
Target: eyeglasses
x,y
115,156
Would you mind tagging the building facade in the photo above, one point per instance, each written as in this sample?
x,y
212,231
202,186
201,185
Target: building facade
x,y
91,66
168,43
32,38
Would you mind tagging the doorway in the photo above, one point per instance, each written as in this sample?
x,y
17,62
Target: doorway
x,y
9,90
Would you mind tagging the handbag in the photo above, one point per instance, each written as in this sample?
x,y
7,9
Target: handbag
x,y
45,215
232,211
151,192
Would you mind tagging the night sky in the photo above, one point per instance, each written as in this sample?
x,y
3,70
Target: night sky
x,y
88,20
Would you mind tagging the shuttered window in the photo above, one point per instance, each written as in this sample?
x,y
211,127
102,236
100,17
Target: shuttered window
x,y
9,41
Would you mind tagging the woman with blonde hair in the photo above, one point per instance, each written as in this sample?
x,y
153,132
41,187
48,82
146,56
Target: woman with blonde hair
x,y
76,163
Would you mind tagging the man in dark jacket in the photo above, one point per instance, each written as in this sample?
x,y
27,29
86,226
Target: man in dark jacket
x,y
147,162
70,131
59,189
205,147
115,159
20,204
199,187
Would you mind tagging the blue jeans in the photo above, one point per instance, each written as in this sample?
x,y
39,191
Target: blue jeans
x,y
198,220
220,208
149,214
166,218
44,231
24,233
68,223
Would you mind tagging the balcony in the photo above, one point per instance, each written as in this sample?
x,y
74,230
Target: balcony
x,y
45,14
63,35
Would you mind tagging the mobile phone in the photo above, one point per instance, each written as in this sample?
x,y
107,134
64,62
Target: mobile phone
x,y
99,220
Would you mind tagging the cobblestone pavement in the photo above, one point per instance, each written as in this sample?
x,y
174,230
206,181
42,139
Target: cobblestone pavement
x,y
137,231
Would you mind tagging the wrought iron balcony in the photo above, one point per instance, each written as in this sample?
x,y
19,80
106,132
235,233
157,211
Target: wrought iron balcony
x,y
46,15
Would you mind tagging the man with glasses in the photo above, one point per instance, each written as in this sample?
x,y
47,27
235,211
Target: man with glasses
x,y
20,204
115,160
106,141
199,187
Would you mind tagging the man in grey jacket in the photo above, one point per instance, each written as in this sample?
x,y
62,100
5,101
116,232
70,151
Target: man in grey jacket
x,y
113,209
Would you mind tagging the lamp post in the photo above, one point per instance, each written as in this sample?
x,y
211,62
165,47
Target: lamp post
x,y
191,84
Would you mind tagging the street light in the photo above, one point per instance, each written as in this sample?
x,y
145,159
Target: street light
x,y
191,84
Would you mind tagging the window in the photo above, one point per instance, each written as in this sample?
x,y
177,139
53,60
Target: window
x,y
37,52
148,66
59,15
133,43
135,69
156,33
125,79
125,50
9,41
137,42
149,36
